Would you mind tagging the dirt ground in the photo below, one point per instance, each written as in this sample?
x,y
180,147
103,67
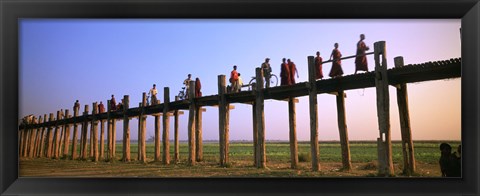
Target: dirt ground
x,y
43,167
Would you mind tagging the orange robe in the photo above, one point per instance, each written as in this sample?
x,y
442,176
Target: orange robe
x,y
284,74
336,64
198,87
292,68
361,61
318,64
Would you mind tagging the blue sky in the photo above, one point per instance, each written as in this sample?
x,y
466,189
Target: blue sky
x,y
62,60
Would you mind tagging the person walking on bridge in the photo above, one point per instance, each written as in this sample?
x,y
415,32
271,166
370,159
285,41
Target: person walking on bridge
x,y
234,80
113,104
186,82
284,73
361,59
336,70
198,87
318,65
267,70
153,93
293,69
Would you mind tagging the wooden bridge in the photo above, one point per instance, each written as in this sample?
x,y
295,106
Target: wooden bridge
x,y
51,138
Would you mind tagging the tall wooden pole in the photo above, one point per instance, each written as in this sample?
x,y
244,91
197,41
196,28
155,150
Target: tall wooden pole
x,y
39,137
198,134
191,124
407,143
49,138
43,138
313,114
126,129
57,136
141,132
24,142
32,138
66,139
102,140
95,132
157,138
166,126
85,134
176,157
75,134
222,110
259,110
383,111
114,138
256,161
342,128
293,132
109,131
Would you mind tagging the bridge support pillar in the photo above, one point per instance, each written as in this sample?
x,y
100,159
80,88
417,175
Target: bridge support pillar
x,y
313,114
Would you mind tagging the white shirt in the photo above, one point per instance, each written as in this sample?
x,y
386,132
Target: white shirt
x,y
153,91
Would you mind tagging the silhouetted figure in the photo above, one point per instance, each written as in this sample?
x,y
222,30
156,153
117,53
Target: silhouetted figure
x,y
101,108
284,73
318,65
449,163
293,69
361,59
336,70
153,93
186,82
120,106
76,105
267,72
113,104
198,88
234,80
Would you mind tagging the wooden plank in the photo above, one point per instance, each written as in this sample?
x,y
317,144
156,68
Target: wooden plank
x,y
293,133
406,132
342,129
191,124
259,103
313,114
166,127
176,156
383,110
126,129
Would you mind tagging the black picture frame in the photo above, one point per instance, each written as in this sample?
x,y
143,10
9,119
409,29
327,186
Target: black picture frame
x,y
11,11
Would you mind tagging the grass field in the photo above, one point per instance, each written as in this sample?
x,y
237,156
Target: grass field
x,y
363,157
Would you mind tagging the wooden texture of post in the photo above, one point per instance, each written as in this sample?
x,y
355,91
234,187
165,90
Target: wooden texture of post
x,y
293,133
157,138
313,114
91,136
198,134
57,136
176,157
32,139
126,129
191,124
166,127
95,132
383,111
222,113
342,128
49,138
42,139
109,131
255,135
66,136
114,138
24,140
62,135
85,134
75,133
259,110
141,133
21,133
102,140
39,137
407,143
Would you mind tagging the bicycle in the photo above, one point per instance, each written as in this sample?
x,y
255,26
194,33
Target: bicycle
x,y
182,95
273,81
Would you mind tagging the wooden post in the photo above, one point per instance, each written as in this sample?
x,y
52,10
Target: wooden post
x,y
166,126
32,139
66,139
109,131
259,102
383,110
313,114
41,152
95,132
223,120
57,136
91,136
126,129
75,134
342,128
191,124
176,157
402,101
198,134
38,138
49,138
157,138
114,138
141,132
85,134
293,132
102,140
24,139
256,161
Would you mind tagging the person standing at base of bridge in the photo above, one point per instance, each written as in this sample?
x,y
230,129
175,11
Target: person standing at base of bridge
x,y
234,80
267,72
153,93
113,104
239,83
101,108
318,65
361,59
186,82
198,87
293,69
284,73
336,70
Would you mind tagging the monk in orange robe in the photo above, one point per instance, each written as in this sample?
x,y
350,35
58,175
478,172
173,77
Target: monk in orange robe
x,y
318,65
361,59
336,70
284,73
198,87
293,69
